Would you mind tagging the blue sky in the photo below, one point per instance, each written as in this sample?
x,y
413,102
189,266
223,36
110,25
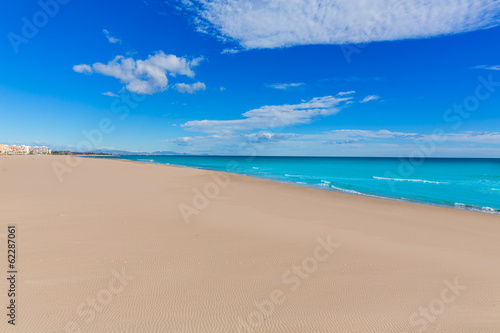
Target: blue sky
x,y
270,77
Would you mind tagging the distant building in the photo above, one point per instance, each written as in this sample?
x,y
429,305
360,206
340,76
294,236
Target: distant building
x,y
40,150
17,150
23,150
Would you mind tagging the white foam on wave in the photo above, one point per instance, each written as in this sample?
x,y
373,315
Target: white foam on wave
x,y
409,180
345,190
146,160
476,208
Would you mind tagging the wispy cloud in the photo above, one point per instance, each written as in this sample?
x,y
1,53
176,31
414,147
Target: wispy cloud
x,y
489,67
377,136
110,38
147,76
110,94
273,116
370,98
286,23
217,139
263,137
230,51
183,141
345,93
284,86
344,142
347,142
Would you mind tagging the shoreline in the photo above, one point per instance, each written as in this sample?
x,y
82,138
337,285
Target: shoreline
x,y
456,206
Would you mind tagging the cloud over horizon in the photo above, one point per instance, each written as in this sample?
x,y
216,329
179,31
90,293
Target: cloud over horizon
x,y
348,142
147,76
273,116
258,24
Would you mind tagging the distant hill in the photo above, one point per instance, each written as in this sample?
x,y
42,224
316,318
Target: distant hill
x,y
125,152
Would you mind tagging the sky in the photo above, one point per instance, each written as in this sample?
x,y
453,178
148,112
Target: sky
x,y
253,77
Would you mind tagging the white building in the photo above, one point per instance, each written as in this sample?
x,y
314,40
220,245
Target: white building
x,y
23,150
40,150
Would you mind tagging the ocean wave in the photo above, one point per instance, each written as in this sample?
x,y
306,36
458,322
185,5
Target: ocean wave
x,y
477,208
346,191
409,180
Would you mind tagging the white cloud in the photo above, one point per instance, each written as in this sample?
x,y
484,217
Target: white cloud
x,y
145,76
190,88
370,98
284,86
493,68
110,94
233,139
263,137
273,116
230,51
110,38
344,93
381,135
346,142
285,23
85,69
474,137
184,141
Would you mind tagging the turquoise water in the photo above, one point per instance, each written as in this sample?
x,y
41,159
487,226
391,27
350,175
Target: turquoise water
x,y
461,183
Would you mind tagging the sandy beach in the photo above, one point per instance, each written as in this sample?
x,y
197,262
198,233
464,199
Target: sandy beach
x,y
117,246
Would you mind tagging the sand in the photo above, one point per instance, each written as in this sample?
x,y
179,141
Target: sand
x,y
107,249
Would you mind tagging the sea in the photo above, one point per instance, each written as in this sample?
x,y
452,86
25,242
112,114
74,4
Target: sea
x,y
462,183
